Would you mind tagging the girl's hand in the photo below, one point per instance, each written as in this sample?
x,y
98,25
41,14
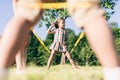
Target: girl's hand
x,y
53,24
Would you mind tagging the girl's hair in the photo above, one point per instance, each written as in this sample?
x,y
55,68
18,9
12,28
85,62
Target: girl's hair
x,y
59,19
56,25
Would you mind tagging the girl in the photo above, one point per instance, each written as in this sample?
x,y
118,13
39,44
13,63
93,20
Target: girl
x,y
21,57
59,43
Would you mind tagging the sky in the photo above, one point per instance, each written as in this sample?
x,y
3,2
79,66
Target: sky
x,y
6,13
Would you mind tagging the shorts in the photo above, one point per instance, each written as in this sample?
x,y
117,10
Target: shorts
x,y
31,14
85,12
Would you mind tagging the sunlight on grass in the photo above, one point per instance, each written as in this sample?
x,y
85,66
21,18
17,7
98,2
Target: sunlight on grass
x,y
60,72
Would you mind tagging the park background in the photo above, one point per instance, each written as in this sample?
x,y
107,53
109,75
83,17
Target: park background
x,y
82,53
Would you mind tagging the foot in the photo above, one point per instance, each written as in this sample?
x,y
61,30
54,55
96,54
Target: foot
x,y
76,67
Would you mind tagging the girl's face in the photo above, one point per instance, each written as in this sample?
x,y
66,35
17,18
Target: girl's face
x,y
61,23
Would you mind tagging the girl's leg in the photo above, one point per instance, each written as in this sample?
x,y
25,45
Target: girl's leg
x,y
71,60
97,30
25,51
21,60
12,39
100,37
24,57
18,58
101,40
50,58
21,57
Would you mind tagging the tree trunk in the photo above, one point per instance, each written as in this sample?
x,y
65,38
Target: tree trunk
x,y
87,60
62,59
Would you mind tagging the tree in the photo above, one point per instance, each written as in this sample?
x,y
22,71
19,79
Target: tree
x,y
116,34
32,49
36,53
108,5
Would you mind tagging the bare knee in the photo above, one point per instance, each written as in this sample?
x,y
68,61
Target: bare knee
x,y
53,52
67,53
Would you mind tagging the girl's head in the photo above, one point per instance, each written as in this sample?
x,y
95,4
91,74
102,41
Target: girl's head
x,y
61,23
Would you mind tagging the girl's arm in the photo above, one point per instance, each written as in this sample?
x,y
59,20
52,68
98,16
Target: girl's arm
x,y
50,29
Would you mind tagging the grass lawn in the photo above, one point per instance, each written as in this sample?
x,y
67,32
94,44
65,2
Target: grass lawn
x,y
59,72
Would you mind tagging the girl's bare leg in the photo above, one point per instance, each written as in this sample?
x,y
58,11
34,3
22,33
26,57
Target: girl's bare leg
x,y
97,30
51,58
101,40
25,50
21,57
71,60
12,40
21,60
18,58
100,37
24,58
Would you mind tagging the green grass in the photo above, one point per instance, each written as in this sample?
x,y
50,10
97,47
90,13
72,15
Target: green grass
x,y
59,72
